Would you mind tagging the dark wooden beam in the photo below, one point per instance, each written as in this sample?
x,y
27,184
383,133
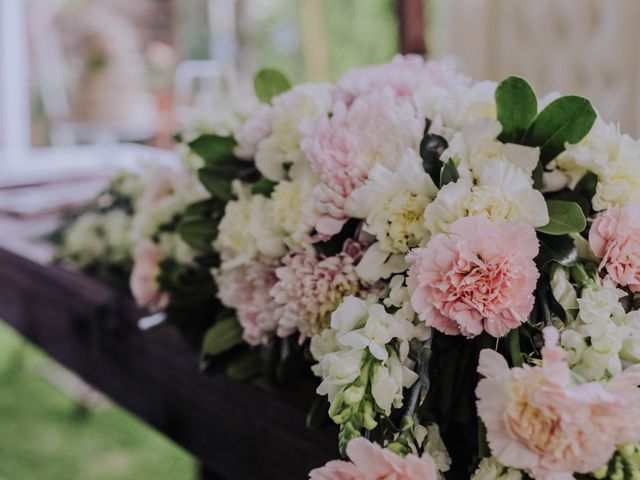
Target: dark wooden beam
x,y
411,26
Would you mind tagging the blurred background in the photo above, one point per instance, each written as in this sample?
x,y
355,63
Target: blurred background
x,y
79,76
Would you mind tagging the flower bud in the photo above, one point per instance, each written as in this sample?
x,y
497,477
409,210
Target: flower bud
x,y
368,413
353,395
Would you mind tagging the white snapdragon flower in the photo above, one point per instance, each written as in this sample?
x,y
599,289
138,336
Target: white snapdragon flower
x,y
563,291
491,469
338,369
393,202
279,152
504,192
388,382
248,229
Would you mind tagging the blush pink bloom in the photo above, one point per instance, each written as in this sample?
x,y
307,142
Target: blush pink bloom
x,y
405,75
164,181
143,281
539,421
343,148
309,288
369,461
615,239
246,288
479,277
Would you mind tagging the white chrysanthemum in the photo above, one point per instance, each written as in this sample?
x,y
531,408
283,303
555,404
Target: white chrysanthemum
x,y
504,192
280,151
393,202
451,109
491,469
476,146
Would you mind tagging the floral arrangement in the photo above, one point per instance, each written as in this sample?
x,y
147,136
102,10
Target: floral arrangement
x,y
457,262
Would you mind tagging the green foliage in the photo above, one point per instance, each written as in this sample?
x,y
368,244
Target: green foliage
x,y
264,186
564,217
587,186
565,120
245,366
516,106
270,83
431,147
223,336
556,248
215,184
212,147
449,173
198,232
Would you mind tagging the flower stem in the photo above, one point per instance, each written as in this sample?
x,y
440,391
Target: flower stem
x,y
514,347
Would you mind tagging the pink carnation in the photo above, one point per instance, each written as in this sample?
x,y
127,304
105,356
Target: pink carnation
x,y
342,149
246,289
480,276
369,461
615,238
538,420
143,281
405,75
310,288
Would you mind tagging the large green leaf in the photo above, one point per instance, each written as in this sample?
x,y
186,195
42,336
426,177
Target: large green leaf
x,y
565,120
198,232
556,248
516,106
564,217
264,186
269,83
212,147
587,185
449,173
223,336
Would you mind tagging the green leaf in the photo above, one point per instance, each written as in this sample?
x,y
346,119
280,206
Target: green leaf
x,y
449,173
264,186
516,107
572,196
564,217
587,185
245,366
269,83
537,176
198,232
215,183
431,147
556,248
565,120
212,147
223,336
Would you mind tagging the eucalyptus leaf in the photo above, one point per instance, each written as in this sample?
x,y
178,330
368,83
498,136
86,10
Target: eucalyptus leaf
x,y
221,337
198,232
516,106
449,173
245,366
212,147
270,83
556,248
565,120
564,217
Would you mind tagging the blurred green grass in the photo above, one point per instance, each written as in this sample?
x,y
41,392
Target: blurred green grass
x,y
44,436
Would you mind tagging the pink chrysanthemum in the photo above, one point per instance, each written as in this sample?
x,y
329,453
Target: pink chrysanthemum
x,y
369,461
479,277
615,238
310,288
538,420
342,149
405,75
246,289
